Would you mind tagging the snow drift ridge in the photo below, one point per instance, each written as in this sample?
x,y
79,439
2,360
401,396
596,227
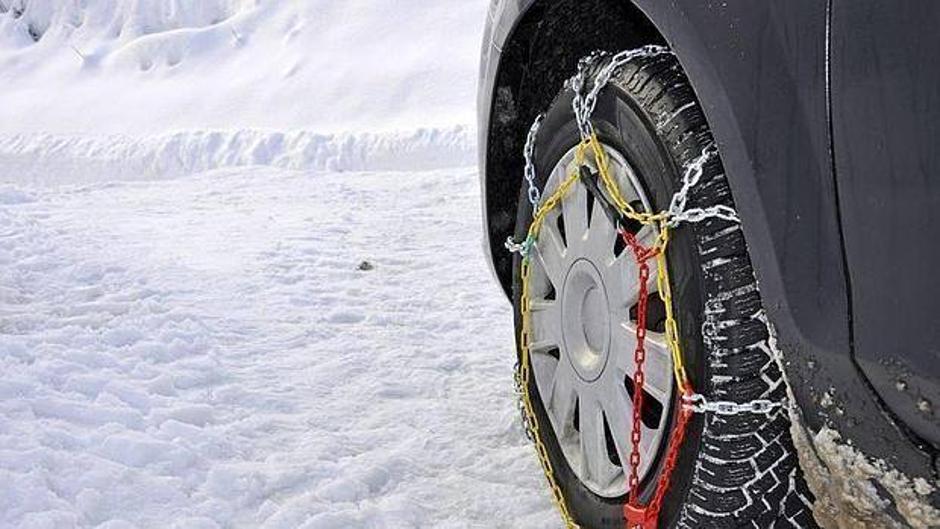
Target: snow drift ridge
x,y
35,158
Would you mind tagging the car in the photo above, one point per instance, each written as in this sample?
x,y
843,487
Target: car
x,y
807,317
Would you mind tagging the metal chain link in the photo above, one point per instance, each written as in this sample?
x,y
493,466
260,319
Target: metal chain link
x,y
519,389
643,257
583,104
697,403
678,211
690,178
535,196
522,248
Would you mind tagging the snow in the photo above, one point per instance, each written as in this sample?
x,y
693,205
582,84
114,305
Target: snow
x,y
151,66
187,193
204,350
41,158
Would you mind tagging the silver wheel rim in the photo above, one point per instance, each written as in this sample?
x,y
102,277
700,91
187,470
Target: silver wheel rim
x,y
583,339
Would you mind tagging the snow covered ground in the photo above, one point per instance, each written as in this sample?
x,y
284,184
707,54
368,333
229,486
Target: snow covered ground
x,y
203,352
187,192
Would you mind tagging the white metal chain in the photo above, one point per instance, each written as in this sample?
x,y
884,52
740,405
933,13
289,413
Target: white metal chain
x,y
521,248
583,103
535,196
534,193
699,404
678,211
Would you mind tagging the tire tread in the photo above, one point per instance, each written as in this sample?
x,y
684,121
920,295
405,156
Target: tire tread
x,y
747,473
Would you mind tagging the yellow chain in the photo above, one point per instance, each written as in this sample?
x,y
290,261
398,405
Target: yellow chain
x,y
524,370
662,279
662,241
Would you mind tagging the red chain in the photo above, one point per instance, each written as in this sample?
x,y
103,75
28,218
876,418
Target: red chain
x,y
643,255
636,515
672,455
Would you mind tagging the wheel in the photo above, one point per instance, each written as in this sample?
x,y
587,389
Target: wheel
x,y
733,471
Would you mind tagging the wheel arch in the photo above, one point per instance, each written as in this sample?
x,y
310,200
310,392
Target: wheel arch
x,y
537,48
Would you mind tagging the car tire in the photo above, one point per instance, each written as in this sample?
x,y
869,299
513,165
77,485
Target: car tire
x,y
733,471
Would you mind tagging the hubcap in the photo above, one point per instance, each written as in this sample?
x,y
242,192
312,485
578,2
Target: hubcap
x,y
583,286
585,320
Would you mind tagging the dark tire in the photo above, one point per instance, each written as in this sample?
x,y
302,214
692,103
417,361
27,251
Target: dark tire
x,y
733,471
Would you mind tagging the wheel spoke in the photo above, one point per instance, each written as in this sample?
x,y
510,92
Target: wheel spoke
x,y
563,398
621,276
623,273
602,235
657,367
546,325
646,236
623,173
649,445
619,411
539,283
622,347
574,210
544,367
596,464
551,252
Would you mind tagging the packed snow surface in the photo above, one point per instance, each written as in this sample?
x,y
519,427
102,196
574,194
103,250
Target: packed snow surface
x,y
205,352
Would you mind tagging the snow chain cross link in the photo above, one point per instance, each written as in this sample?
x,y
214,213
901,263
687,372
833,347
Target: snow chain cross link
x,y
636,516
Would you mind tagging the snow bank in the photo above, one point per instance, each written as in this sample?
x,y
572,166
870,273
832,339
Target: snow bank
x,y
50,158
148,66
153,89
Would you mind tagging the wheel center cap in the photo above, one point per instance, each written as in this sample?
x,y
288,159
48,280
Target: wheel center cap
x,y
585,320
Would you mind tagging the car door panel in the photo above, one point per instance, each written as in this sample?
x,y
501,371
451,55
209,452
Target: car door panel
x,y
885,90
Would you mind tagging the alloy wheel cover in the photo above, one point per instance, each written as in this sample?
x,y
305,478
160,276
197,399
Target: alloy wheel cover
x,y
583,338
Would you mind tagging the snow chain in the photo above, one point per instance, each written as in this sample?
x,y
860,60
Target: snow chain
x,y
636,515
